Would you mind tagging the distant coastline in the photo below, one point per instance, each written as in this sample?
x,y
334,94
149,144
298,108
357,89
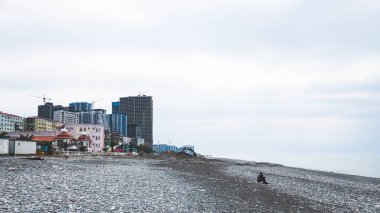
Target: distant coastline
x,y
366,166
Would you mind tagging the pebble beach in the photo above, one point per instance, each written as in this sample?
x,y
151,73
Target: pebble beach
x,y
172,184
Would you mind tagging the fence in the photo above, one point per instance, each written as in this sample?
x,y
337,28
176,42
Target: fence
x,y
79,153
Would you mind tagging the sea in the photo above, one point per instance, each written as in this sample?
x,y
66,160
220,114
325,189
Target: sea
x,y
362,165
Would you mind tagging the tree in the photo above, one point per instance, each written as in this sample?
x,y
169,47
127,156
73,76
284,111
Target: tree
x,y
142,148
133,145
113,141
4,134
26,137
147,149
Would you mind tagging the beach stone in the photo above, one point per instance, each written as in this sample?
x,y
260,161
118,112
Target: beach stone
x,y
104,184
3,200
12,169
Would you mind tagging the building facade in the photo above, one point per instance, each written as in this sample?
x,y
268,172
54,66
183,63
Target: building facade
x,y
46,111
81,106
134,131
66,117
40,124
116,107
161,148
118,123
139,110
94,131
60,107
10,123
96,116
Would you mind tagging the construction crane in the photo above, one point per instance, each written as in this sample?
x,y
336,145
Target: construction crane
x,y
43,98
93,102
143,93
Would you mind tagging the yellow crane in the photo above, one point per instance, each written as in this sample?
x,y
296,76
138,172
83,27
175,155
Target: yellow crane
x,y
44,98
93,102
143,93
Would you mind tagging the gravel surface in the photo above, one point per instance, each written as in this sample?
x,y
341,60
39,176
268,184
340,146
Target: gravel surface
x,y
339,192
96,185
169,184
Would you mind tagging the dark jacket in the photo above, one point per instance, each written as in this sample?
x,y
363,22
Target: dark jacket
x,y
260,177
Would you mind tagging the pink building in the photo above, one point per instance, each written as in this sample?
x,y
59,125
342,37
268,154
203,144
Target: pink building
x,y
94,131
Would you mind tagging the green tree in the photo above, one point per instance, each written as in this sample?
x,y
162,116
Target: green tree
x,y
113,141
147,149
26,137
142,148
4,134
133,145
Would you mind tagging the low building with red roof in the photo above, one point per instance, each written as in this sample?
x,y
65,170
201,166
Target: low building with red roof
x,y
48,143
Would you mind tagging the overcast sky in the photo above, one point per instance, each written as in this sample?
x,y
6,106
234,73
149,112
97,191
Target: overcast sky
x,y
234,78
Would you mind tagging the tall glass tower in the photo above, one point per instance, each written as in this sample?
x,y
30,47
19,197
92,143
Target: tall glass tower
x,y
81,106
139,110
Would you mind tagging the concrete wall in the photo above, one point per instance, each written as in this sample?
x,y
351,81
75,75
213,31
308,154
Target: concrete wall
x,y
4,146
22,148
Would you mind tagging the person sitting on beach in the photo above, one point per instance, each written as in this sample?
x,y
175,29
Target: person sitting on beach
x,y
261,178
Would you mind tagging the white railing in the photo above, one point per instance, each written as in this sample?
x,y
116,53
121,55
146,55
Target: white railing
x,y
80,153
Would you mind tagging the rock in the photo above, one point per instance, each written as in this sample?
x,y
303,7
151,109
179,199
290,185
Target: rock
x,y
3,200
12,169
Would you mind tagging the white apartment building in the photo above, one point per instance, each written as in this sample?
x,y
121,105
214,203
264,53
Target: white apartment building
x,y
95,131
66,117
10,123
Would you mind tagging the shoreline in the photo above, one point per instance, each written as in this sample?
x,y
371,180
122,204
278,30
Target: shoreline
x,y
291,167
355,166
235,160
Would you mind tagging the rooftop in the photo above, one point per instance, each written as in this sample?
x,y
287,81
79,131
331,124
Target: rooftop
x,y
42,118
3,113
43,138
64,135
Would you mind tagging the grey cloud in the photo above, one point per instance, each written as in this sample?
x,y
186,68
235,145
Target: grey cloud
x,y
321,25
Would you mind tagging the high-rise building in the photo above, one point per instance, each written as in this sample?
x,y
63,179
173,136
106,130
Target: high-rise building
x,y
66,117
116,107
134,131
46,111
10,123
96,116
139,110
81,106
60,107
118,123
